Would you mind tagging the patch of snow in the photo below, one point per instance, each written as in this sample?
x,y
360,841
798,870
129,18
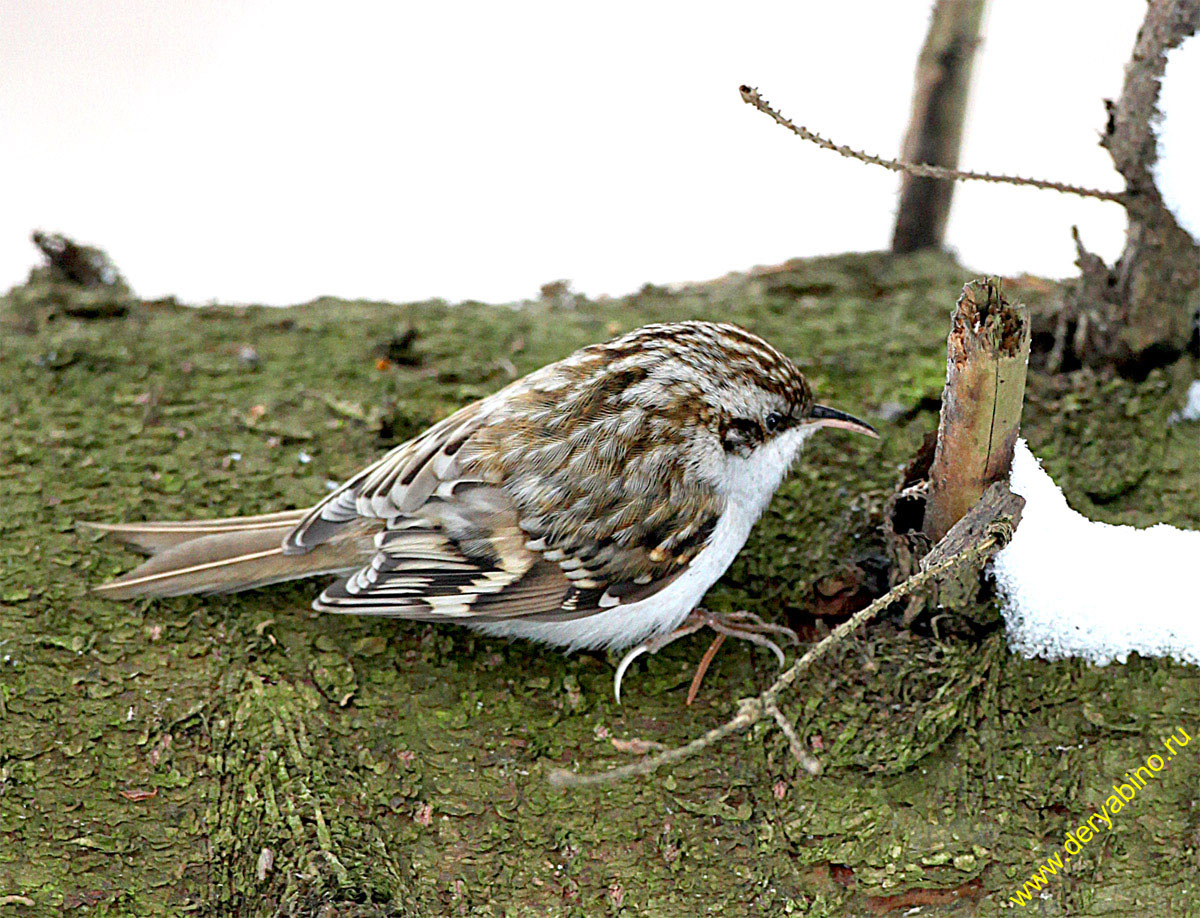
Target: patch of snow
x,y
1179,135
1191,406
1073,587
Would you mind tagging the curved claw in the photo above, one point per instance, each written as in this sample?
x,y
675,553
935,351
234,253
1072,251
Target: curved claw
x,y
753,638
779,654
624,665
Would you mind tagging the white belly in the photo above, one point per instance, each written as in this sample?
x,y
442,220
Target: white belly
x,y
624,625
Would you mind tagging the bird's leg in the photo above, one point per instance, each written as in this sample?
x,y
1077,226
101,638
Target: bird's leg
x,y
741,624
690,625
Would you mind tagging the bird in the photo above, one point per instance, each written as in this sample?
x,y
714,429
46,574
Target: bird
x,y
588,505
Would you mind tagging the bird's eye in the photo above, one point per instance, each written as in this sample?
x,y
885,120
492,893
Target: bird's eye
x,y
774,421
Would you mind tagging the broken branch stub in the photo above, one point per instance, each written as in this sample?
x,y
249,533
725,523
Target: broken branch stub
x,y
987,353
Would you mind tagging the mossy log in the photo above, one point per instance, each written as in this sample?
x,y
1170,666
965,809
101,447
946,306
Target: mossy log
x,y
243,756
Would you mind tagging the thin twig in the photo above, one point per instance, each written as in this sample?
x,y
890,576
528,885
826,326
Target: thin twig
x,y
751,97
807,762
752,710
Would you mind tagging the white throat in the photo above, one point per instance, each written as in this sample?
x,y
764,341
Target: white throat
x,y
752,481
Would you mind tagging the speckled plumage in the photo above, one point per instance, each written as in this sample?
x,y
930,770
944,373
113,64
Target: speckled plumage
x,y
582,491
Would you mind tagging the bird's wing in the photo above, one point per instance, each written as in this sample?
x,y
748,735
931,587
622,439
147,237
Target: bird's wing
x,y
397,483
533,504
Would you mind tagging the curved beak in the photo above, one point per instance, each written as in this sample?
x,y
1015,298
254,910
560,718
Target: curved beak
x,y
822,416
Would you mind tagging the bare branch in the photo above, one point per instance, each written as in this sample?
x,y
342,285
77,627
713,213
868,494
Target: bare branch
x,y
751,97
1129,136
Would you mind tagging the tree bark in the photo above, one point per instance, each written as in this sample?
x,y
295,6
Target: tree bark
x,y
1137,314
935,126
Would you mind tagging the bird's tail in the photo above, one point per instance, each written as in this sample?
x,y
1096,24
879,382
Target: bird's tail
x,y
225,556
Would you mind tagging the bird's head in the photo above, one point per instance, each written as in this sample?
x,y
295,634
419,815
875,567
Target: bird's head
x,y
765,413
671,404
746,407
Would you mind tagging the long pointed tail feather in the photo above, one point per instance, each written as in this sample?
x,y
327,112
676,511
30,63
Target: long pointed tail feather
x,y
224,556
153,537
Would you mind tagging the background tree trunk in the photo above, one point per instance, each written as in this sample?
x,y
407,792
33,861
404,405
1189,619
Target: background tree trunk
x,y
935,127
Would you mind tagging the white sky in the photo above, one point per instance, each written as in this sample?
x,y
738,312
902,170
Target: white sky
x,y
264,151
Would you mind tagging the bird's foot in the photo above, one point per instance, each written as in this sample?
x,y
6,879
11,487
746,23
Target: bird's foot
x,y
741,624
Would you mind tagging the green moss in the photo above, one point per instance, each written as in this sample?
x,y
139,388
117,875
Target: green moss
x,y
243,755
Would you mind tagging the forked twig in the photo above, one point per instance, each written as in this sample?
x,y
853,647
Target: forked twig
x,y
751,710
751,97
